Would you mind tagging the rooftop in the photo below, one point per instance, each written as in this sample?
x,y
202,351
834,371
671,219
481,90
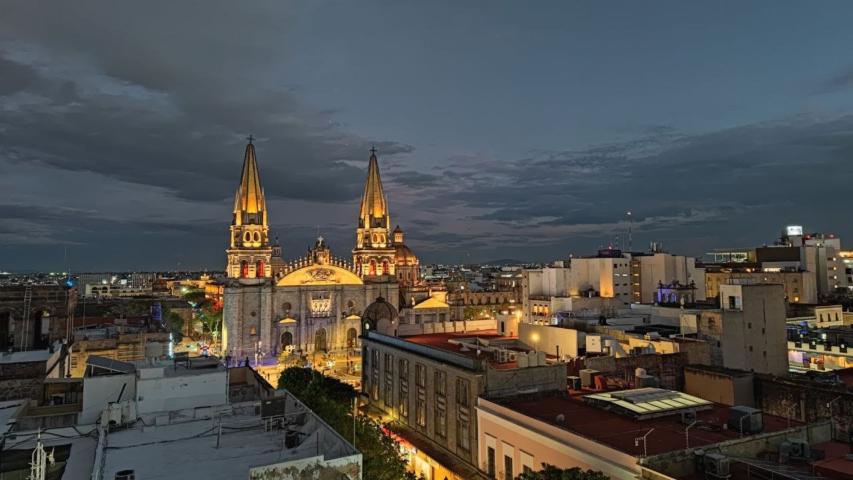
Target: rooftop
x,y
187,448
466,345
619,432
24,357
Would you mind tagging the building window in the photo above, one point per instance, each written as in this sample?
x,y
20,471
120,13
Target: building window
x,y
507,468
490,462
463,440
420,409
374,380
441,403
462,393
389,380
441,417
440,383
420,405
404,389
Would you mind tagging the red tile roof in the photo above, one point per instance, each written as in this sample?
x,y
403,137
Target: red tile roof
x,y
620,432
441,341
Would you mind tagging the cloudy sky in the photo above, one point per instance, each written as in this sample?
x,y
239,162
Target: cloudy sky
x,y
505,129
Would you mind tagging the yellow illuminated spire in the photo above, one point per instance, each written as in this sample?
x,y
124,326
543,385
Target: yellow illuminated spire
x,y
374,208
249,203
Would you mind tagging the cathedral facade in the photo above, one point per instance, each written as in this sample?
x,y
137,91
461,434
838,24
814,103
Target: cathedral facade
x,y
315,302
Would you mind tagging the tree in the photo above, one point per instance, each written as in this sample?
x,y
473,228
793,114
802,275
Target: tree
x,y
550,472
332,400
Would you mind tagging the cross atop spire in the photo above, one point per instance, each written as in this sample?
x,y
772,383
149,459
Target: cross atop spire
x,y
250,138
373,149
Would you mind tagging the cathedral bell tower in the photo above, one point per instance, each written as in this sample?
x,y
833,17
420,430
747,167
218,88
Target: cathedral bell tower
x,y
373,255
249,251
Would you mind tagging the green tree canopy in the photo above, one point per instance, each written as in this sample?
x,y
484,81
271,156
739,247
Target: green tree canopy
x,y
332,400
550,472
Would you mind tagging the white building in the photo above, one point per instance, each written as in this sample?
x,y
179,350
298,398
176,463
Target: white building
x,y
606,275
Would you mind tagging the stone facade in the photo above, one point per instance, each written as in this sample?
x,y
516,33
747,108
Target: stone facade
x,y
434,392
22,380
316,305
48,312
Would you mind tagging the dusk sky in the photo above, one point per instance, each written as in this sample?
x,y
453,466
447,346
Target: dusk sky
x,y
505,129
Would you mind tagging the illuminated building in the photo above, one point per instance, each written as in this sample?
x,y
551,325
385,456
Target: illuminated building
x,y
315,303
429,385
374,253
249,251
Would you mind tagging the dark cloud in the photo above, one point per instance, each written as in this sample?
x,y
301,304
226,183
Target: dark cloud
x,y
122,130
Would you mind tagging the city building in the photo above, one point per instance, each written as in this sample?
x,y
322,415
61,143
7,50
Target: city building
x,y
313,304
428,385
35,316
798,286
650,271
158,419
538,287
747,332
628,434
608,274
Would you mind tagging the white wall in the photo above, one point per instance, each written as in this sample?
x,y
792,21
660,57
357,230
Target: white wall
x,y
547,339
182,391
99,391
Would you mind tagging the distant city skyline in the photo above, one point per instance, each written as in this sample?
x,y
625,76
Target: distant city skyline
x,y
503,132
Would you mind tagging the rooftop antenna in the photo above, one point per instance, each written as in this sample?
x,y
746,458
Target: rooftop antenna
x,y
630,224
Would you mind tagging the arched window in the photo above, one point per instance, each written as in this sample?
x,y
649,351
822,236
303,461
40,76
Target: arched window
x,y
247,237
352,334
244,269
286,307
350,307
260,267
253,331
384,267
286,339
256,236
373,267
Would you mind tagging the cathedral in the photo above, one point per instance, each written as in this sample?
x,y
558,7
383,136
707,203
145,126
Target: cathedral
x,y
316,302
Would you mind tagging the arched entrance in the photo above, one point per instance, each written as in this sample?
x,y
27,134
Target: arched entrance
x,y
352,334
320,340
286,340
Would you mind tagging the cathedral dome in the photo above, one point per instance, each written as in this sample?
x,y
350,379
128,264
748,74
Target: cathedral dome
x,y
379,316
404,256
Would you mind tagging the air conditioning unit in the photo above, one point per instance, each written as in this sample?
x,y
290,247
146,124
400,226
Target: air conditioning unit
x,y
717,466
784,452
745,420
800,449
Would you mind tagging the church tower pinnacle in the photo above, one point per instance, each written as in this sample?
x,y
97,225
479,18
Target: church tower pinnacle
x,y
249,248
373,254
